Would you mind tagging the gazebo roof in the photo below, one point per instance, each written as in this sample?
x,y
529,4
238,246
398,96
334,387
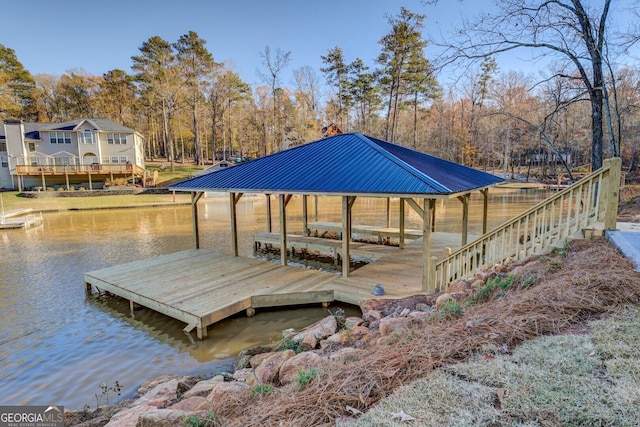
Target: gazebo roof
x,y
348,164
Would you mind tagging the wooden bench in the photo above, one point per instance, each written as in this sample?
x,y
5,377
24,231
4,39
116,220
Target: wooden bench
x,y
332,248
315,229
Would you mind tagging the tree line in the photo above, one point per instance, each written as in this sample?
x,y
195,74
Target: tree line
x,y
192,108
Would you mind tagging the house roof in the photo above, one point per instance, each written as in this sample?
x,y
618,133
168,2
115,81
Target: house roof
x,y
32,129
346,164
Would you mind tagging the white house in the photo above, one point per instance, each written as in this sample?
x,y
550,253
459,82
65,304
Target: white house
x,y
84,152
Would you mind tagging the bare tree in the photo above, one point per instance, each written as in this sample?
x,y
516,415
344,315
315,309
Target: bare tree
x,y
573,30
274,65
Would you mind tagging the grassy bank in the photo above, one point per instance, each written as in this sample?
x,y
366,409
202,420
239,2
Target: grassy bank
x,y
11,200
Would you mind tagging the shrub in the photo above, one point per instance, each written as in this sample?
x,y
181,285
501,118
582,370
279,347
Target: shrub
x,y
261,389
305,377
496,288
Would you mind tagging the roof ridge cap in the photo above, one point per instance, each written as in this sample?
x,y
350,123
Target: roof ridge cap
x,y
410,169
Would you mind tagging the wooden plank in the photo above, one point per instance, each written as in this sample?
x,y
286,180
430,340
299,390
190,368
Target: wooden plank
x,y
366,229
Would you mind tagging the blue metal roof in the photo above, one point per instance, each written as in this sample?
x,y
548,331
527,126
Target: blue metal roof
x,y
346,164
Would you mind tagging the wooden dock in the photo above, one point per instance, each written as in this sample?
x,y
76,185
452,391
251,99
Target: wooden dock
x,y
18,218
201,287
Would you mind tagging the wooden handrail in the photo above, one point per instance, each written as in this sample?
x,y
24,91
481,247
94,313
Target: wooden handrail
x,y
593,199
79,169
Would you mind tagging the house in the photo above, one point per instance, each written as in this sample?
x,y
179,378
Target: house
x,y
88,153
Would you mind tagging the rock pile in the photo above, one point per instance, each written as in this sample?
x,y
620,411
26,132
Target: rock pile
x,y
336,339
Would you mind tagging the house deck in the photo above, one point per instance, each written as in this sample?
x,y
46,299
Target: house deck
x,y
201,287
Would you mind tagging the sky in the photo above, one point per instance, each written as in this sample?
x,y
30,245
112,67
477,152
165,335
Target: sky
x,y
59,36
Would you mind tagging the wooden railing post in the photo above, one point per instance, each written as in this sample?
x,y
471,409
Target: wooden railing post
x,y
612,192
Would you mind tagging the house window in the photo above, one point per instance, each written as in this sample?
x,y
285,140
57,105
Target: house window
x,y
32,147
86,137
123,160
3,146
62,160
60,137
114,159
4,162
116,138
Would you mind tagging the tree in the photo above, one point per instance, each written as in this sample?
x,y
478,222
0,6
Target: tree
x,y
227,89
156,74
116,97
403,43
336,72
576,31
274,65
16,87
77,92
421,86
363,93
196,65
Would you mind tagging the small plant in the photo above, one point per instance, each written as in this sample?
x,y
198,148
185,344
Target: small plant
x,y
553,266
495,287
305,377
261,389
209,420
561,252
116,388
450,310
290,344
340,317
529,281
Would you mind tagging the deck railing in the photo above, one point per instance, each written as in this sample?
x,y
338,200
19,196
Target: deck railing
x,y
79,169
592,200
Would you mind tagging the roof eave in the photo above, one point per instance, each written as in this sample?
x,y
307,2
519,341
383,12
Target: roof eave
x,y
334,194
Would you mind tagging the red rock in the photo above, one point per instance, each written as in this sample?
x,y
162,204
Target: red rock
x,y
301,362
268,370
192,404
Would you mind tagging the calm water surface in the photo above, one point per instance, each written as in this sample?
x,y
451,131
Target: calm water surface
x,y
58,343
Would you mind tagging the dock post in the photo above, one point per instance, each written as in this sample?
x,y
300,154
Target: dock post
x,y
283,229
305,226
401,223
427,211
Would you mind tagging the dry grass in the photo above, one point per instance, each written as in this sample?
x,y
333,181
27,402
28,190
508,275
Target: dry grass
x,y
581,290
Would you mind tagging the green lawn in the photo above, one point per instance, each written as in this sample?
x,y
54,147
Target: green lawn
x,y
11,201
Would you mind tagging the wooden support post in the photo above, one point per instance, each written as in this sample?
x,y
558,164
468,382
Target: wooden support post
x,y
485,209
316,208
401,223
195,196
428,207
66,176
612,193
269,227
283,229
388,212
44,183
251,312
465,217
233,202
90,183
347,203
305,223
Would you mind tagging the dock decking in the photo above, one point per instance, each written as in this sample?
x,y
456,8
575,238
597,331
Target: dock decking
x,y
18,218
201,287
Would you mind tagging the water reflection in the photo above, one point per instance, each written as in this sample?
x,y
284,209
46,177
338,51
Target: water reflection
x,y
57,344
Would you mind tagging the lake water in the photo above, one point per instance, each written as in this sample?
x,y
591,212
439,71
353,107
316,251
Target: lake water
x,y
58,343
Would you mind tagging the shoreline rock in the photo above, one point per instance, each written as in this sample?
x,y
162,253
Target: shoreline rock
x,y
170,400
